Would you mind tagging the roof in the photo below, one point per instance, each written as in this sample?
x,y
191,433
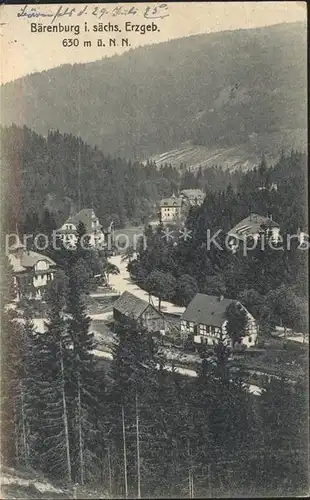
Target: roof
x,y
252,225
192,193
130,305
28,259
86,215
67,231
171,202
207,310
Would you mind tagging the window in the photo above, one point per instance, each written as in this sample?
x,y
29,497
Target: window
x,y
203,329
250,340
190,326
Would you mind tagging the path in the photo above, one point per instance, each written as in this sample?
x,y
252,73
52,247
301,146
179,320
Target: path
x,y
122,282
254,389
187,372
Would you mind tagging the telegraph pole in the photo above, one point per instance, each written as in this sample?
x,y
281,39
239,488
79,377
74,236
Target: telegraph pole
x,y
209,480
79,177
138,448
125,454
192,484
110,471
190,472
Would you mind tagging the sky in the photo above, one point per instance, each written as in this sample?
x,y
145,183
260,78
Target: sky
x,y
25,51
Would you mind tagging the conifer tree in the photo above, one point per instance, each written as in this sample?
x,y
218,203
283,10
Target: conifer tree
x,y
11,362
134,374
82,384
48,379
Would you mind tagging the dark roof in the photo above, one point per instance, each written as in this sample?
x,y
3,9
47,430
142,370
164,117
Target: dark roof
x,y
171,202
252,225
130,305
66,231
207,309
193,193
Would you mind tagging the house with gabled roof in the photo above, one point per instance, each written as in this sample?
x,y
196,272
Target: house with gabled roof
x,y
192,197
32,271
87,216
252,227
131,309
204,321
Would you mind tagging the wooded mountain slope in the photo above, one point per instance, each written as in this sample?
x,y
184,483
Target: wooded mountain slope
x,y
244,87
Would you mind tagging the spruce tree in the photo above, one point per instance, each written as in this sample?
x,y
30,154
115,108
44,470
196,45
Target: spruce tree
x,y
133,373
11,366
82,383
48,379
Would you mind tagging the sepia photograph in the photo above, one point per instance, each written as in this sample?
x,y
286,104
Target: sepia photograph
x,y
154,250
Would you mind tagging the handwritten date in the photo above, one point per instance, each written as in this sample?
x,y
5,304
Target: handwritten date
x,y
158,11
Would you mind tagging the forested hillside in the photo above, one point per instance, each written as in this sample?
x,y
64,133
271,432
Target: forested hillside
x,y
61,173
221,90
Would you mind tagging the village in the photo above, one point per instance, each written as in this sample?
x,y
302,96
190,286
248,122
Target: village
x,y
185,334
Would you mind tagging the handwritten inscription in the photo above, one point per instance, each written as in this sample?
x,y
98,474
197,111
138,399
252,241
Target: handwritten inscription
x,y
158,11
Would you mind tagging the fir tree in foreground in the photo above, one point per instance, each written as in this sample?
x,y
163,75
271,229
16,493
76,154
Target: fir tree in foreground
x,y
50,384
83,387
11,372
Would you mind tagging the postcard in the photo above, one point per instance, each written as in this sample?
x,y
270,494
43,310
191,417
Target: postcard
x,y
154,227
